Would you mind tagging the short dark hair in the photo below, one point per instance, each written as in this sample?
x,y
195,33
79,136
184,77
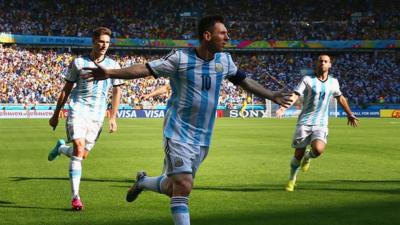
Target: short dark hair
x,y
324,54
207,24
100,31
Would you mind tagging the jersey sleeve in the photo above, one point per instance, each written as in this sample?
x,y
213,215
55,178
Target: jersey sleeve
x,y
336,88
232,68
166,66
73,72
299,90
117,82
234,75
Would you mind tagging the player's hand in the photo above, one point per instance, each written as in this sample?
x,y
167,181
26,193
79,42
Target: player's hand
x,y
280,112
98,73
352,121
112,125
53,122
282,98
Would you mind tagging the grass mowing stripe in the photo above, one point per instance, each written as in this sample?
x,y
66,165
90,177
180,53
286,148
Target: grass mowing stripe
x,y
241,182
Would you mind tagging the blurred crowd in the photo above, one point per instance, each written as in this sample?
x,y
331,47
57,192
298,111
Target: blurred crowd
x,y
33,76
364,78
245,19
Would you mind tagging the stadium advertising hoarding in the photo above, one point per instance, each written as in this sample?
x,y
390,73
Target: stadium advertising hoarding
x,y
52,40
390,113
358,113
141,113
169,43
29,114
234,113
160,113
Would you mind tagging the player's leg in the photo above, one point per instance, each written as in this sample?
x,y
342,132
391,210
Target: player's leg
x,y
183,160
301,139
75,172
66,150
182,185
76,131
84,134
318,142
61,147
161,184
55,152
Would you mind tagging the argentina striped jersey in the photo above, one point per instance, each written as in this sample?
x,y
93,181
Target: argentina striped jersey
x,y
195,85
317,95
89,98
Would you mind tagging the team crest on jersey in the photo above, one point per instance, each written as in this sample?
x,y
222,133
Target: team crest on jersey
x,y
219,68
178,162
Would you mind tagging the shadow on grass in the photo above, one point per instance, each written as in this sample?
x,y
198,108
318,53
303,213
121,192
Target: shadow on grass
x,y
377,186
17,179
6,204
371,213
368,181
358,214
330,185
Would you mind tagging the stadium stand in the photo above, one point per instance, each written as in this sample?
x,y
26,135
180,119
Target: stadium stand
x,y
288,20
33,76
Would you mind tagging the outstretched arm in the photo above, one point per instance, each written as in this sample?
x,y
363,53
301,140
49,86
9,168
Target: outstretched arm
x,y
351,119
62,99
281,111
279,97
159,91
133,72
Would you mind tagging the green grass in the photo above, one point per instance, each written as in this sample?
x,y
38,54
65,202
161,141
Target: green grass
x,y
357,180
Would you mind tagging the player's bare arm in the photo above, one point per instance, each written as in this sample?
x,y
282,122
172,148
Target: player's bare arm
x,y
132,72
351,119
279,97
282,109
62,99
159,91
116,97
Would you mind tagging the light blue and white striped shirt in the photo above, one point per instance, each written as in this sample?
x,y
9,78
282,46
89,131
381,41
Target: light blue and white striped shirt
x,y
317,95
89,98
195,85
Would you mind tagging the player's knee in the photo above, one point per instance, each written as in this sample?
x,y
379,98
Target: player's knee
x,y
318,151
183,185
79,148
80,152
168,191
299,153
167,187
318,148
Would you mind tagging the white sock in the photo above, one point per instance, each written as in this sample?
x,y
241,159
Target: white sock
x,y
75,172
154,183
294,168
180,210
66,150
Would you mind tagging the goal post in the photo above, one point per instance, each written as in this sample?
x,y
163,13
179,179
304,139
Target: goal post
x,y
268,108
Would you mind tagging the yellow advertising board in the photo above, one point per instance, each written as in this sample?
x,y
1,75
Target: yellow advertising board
x,y
7,38
390,113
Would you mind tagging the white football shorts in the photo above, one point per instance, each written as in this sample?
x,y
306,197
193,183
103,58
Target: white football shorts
x,y
83,128
183,158
305,134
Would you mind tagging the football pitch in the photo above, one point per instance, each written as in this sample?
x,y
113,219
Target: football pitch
x,y
357,180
